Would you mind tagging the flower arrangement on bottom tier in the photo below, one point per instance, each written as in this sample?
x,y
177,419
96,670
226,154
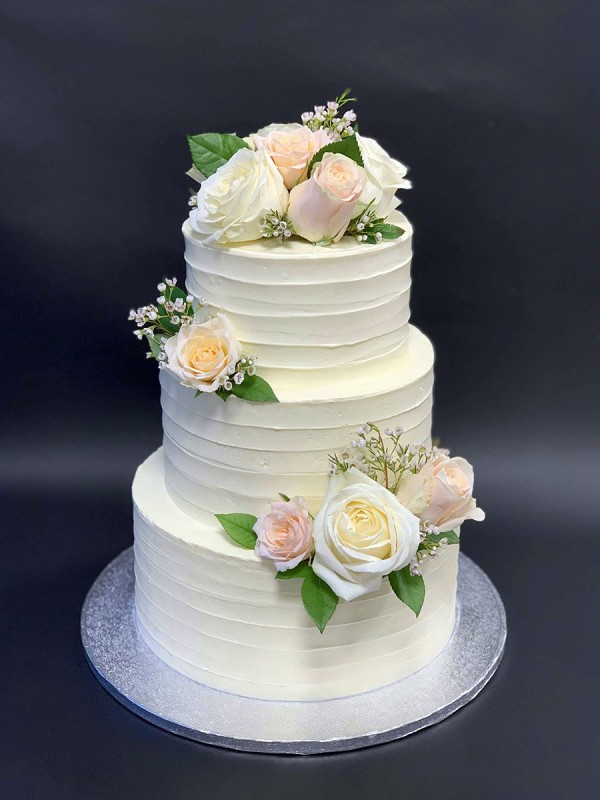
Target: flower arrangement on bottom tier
x,y
389,506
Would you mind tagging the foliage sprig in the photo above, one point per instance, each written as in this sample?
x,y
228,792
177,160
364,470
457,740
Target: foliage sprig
x,y
367,227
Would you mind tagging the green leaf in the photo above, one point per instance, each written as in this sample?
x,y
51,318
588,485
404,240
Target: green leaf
x,y
239,527
320,601
211,150
409,588
302,570
346,147
284,497
222,393
451,536
388,231
255,389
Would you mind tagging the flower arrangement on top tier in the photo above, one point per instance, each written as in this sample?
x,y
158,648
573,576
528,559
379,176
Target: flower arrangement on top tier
x,y
389,506
318,179
199,349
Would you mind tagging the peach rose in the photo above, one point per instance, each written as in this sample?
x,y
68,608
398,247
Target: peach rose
x,y
285,534
202,355
441,493
321,207
291,147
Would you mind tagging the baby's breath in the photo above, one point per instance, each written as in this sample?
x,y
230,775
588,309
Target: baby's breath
x,y
328,117
384,457
367,227
158,321
275,225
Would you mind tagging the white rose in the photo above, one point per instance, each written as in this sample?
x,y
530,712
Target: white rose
x,y
231,201
385,176
361,533
202,354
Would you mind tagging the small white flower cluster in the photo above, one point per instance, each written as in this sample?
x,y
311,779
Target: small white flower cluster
x,y
360,227
142,316
193,201
275,225
326,118
427,547
168,310
368,227
237,373
385,462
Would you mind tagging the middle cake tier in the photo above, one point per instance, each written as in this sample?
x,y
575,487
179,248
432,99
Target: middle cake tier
x,y
238,456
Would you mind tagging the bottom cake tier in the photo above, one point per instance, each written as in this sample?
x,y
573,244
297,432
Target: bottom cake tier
x,y
213,611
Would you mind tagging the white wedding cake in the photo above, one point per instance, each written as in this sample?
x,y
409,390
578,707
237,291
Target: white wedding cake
x,y
310,460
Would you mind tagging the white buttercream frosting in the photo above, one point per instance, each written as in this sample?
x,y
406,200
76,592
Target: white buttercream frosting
x,y
213,611
330,329
237,456
297,306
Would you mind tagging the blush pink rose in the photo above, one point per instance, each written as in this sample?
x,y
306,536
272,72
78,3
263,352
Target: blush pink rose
x,y
441,493
321,207
290,147
285,534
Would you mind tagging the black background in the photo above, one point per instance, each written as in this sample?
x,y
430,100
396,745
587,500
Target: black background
x,y
495,108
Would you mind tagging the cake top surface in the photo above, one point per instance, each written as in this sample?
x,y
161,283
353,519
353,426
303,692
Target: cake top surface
x,y
316,181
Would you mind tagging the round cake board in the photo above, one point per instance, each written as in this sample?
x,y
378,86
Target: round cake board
x,y
144,684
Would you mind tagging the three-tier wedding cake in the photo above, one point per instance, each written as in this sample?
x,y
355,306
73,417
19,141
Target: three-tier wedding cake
x,y
296,537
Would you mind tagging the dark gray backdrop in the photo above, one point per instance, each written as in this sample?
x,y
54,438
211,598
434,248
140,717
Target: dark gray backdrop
x,y
495,108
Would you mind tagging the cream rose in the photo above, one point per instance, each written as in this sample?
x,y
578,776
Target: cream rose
x,y
362,533
231,202
201,355
385,176
285,534
322,206
290,147
441,493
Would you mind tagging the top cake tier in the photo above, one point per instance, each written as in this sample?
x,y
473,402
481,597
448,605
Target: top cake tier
x,y
307,308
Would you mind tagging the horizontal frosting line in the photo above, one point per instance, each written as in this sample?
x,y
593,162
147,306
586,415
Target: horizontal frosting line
x,y
294,462
286,314
341,650
256,484
297,690
157,538
387,613
279,278
264,584
299,452
241,430
200,426
222,291
322,334
341,358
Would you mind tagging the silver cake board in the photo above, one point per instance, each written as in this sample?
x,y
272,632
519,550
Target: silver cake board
x,y
144,684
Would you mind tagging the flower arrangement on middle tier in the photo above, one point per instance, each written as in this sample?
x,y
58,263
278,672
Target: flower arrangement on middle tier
x,y
389,506
318,179
199,349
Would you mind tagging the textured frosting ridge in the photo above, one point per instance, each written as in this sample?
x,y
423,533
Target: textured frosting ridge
x,y
301,307
224,457
213,611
